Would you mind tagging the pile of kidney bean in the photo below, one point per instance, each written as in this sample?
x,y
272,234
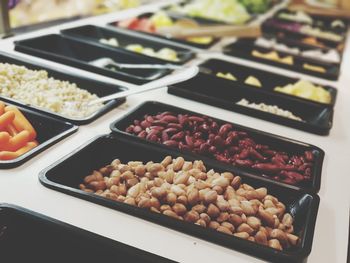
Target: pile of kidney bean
x,y
205,136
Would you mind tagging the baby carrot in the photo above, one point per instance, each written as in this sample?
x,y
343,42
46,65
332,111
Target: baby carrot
x,y
2,107
11,130
18,141
7,155
6,119
21,123
4,139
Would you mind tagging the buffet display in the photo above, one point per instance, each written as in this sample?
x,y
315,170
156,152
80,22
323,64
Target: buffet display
x,y
242,188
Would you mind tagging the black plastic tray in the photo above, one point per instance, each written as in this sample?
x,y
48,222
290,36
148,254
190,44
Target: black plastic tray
x,y
66,174
204,88
204,20
26,236
323,22
174,40
268,80
49,131
94,33
76,53
267,27
91,85
243,48
276,142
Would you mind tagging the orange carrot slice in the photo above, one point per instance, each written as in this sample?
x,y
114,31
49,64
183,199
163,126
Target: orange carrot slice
x,y
18,141
21,123
6,119
4,139
7,155
11,130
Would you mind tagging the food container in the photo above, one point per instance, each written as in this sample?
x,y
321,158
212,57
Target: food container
x,y
91,85
32,237
199,19
317,118
80,54
243,48
174,17
268,80
322,22
276,142
94,34
49,130
66,174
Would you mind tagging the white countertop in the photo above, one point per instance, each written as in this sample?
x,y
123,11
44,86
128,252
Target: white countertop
x,y
21,186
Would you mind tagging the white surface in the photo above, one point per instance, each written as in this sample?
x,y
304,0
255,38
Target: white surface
x,y
20,186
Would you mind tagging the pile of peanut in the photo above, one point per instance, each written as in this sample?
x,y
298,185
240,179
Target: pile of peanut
x,y
187,191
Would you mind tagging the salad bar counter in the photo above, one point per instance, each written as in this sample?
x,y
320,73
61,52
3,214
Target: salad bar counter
x,y
246,161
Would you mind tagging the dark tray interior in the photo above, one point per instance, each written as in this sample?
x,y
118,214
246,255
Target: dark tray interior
x,y
26,236
68,173
274,141
49,131
78,53
243,48
267,79
175,40
317,118
94,33
91,85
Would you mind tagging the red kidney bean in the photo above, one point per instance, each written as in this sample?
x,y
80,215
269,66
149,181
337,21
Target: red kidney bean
x,y
178,136
244,163
158,128
150,119
293,175
171,130
137,129
195,118
243,154
224,129
169,118
159,123
203,135
145,124
151,134
255,155
165,136
175,125
189,140
142,134
171,143
267,167
309,156
130,129
212,149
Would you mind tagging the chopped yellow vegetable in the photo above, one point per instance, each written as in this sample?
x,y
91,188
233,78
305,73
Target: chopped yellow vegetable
x,y
226,76
306,90
314,68
251,80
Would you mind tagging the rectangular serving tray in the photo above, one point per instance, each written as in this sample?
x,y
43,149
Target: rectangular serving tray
x,y
275,142
49,130
26,236
210,90
76,53
86,83
91,33
66,174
